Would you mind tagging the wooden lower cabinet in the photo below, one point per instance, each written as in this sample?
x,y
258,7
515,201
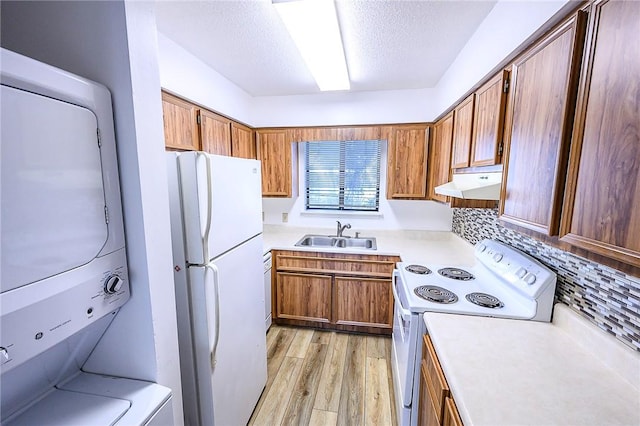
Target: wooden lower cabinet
x,y
426,410
436,405
335,291
350,309
451,415
304,297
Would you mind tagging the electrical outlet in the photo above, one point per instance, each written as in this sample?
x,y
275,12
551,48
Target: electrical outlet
x,y
285,217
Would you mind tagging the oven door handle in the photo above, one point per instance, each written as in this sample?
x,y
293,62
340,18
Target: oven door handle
x,y
403,311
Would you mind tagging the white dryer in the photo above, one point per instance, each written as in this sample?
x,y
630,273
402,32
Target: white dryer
x,y
63,271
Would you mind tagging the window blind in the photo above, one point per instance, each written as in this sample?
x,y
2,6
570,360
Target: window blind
x,y
343,175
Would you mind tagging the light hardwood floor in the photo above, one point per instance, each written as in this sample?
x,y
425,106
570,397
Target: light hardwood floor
x,y
325,378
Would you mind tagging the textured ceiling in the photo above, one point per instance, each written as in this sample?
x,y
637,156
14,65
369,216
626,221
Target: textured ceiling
x,y
389,44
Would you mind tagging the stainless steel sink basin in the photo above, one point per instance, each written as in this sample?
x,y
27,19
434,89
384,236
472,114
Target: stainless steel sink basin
x,y
337,242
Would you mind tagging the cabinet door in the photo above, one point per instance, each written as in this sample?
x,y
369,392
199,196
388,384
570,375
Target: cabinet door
x,y
451,415
304,297
603,189
426,408
440,156
488,121
544,82
363,301
180,123
407,163
215,133
462,132
275,152
243,143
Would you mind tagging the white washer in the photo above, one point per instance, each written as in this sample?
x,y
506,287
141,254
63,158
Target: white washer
x,y
92,399
63,270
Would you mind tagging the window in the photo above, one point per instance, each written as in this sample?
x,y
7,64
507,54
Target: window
x,y
343,175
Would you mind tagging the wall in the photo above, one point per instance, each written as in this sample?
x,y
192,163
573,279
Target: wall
x,y
506,27
606,297
187,76
338,108
392,214
114,43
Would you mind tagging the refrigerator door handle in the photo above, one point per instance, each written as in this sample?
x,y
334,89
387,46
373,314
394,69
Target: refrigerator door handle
x,y
207,227
213,319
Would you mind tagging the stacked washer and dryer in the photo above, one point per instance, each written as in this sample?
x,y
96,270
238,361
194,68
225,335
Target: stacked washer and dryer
x,y
63,271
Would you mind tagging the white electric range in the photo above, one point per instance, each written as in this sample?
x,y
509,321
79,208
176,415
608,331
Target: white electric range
x,y
503,283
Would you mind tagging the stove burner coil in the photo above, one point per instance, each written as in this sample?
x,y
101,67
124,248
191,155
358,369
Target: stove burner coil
x,y
435,294
456,274
484,300
418,269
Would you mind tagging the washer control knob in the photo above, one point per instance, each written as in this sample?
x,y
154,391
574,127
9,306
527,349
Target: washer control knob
x,y
497,257
113,284
4,355
521,272
529,278
482,248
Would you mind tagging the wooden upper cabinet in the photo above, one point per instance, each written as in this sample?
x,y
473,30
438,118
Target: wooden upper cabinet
x,y
306,134
243,142
180,123
278,155
215,133
488,121
407,163
603,189
364,133
462,133
440,155
539,122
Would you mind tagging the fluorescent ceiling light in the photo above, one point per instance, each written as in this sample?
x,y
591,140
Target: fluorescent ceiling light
x,y
313,25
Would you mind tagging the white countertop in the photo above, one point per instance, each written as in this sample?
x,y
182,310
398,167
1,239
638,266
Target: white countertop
x,y
412,246
515,372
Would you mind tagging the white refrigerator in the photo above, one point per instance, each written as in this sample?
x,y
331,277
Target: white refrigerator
x,y
216,221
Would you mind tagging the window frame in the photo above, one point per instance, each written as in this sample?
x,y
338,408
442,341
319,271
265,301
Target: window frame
x,y
343,188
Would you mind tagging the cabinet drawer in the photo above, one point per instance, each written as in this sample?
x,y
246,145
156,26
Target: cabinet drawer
x,y
435,380
336,263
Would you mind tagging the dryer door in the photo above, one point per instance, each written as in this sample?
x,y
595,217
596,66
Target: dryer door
x,y
52,205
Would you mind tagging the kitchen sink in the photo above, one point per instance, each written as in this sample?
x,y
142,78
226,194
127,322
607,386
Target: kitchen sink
x,y
337,242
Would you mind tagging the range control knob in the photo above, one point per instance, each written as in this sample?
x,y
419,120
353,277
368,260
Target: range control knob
x,y
4,355
497,257
113,284
529,278
521,272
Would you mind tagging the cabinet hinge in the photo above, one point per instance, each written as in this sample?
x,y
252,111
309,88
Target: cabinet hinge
x,y
99,138
500,148
198,119
106,215
505,86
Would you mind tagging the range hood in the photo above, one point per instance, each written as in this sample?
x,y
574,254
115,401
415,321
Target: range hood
x,y
474,186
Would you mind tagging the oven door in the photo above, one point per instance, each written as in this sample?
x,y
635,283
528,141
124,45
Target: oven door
x,y
405,337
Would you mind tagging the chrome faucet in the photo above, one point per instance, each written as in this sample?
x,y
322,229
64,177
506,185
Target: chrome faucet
x,y
341,228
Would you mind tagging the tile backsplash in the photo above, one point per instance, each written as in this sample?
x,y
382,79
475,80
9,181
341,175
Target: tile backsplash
x,y
607,297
